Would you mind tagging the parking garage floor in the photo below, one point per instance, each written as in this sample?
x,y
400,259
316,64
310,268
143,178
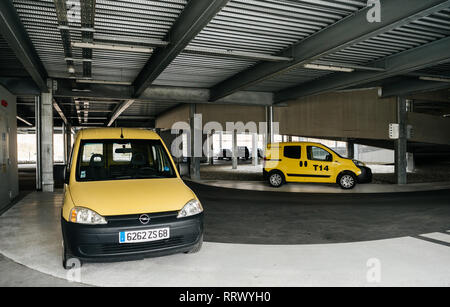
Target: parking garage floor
x,y
307,239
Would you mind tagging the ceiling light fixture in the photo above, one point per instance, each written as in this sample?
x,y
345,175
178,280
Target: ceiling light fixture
x,y
119,47
103,82
328,68
436,79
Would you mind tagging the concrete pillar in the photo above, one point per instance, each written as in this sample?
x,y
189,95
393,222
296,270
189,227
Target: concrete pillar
x,y
46,138
234,150
269,125
195,148
37,118
211,148
255,149
350,150
401,143
220,143
67,137
410,163
356,151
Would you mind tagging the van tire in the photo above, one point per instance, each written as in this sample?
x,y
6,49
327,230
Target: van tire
x,y
197,246
276,179
346,180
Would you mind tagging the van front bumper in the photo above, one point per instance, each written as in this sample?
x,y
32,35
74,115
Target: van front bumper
x,y
101,242
365,176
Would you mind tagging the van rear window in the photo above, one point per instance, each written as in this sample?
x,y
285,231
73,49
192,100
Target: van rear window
x,y
101,160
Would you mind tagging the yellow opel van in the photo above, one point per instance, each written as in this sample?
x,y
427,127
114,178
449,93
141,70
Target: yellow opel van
x,y
311,162
124,198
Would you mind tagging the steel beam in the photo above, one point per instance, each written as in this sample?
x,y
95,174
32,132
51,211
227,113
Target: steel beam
x,y
346,32
192,20
411,86
415,59
20,86
13,31
157,93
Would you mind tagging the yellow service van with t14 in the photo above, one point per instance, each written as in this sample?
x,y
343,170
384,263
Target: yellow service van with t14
x,y
311,162
124,198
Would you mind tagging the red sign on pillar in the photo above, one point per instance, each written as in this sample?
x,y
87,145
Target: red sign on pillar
x,y
4,103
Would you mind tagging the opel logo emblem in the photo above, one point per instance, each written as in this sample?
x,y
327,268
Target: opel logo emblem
x,y
144,219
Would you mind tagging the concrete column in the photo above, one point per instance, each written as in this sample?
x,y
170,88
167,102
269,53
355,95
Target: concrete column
x,y
255,149
401,143
220,143
410,163
350,150
211,148
67,136
37,117
234,150
356,151
46,147
195,143
269,125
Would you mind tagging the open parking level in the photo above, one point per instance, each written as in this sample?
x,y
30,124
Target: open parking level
x,y
225,143
32,229
326,188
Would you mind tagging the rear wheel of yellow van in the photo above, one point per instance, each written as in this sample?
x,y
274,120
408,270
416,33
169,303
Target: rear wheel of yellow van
x,y
276,179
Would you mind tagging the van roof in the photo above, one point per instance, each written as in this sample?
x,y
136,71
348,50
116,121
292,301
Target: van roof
x,y
115,133
293,144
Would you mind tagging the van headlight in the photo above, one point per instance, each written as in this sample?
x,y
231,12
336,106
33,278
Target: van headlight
x,y
192,207
358,163
82,215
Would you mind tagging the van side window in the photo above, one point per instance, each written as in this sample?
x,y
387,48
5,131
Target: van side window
x,y
292,152
91,149
318,154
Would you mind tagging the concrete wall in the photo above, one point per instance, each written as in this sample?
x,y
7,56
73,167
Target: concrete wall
x,y
9,182
357,114
167,119
429,128
213,112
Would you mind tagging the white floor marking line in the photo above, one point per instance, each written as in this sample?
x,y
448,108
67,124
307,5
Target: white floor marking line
x,y
439,236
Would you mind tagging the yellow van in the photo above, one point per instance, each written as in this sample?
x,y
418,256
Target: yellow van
x,y
124,198
311,162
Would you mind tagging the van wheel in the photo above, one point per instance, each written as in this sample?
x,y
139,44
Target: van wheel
x,y
276,179
347,181
197,247
68,261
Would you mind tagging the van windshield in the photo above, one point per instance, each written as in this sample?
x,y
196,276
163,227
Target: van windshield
x,y
101,160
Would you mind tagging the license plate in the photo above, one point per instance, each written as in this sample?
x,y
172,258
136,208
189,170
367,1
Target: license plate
x,y
144,235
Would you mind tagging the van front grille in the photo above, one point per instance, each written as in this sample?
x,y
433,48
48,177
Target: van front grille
x,y
131,248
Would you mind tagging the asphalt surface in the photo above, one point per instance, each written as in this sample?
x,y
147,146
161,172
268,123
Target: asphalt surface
x,y
254,217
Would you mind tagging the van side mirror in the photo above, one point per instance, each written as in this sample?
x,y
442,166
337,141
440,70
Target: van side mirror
x,y
183,169
66,174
